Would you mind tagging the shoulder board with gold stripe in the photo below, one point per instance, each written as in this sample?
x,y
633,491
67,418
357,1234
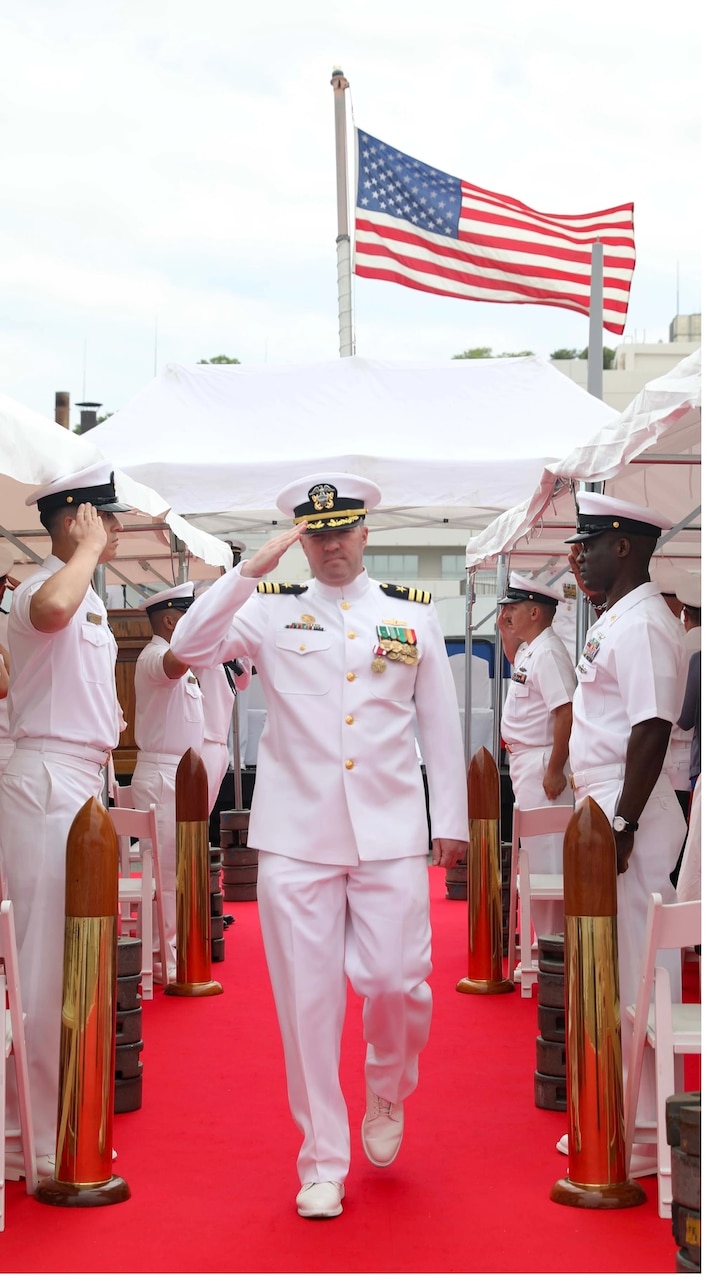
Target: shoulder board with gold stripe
x,y
415,594
282,588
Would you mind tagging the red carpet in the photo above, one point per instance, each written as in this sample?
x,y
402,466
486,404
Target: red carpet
x,y
210,1155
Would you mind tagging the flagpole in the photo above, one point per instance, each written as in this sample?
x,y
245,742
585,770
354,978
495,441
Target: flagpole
x,y
595,380
595,353
340,84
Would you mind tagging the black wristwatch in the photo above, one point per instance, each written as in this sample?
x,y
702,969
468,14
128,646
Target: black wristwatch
x,y
622,824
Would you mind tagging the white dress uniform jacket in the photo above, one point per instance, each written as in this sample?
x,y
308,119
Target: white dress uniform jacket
x,y
632,669
64,718
543,679
169,720
338,748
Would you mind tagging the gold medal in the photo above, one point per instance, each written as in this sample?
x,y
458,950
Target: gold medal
x,y
378,665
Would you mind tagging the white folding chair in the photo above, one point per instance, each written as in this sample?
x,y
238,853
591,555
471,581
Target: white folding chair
x,y
140,884
668,1028
13,1044
526,885
122,795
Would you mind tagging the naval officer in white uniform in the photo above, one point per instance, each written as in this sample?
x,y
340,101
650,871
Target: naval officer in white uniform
x,y
169,720
65,721
338,811
630,679
536,722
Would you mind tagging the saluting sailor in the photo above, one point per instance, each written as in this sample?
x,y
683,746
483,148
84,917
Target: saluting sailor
x,y
169,720
346,664
65,721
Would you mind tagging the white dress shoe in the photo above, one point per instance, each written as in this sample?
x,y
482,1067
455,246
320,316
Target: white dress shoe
x,y
46,1165
15,1166
382,1129
644,1158
320,1200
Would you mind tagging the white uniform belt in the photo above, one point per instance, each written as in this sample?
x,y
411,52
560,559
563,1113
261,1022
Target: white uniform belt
x,y
157,757
58,747
599,773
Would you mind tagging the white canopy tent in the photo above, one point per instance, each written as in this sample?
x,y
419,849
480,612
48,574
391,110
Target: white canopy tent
x,y
35,450
450,442
651,454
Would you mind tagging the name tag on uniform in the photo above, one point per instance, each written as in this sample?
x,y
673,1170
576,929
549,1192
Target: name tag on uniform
x,y
95,618
519,677
192,680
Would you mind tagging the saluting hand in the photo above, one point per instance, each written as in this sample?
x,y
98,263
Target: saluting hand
x,y
270,554
87,529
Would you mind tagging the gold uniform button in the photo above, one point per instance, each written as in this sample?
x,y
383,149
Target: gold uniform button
x,y
302,648
349,719
351,635
345,604
350,675
349,764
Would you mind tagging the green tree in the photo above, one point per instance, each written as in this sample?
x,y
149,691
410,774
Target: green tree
x,y
220,360
485,353
608,354
474,353
564,353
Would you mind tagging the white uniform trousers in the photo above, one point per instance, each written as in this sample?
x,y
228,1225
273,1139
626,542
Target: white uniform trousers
x,y
215,758
6,749
656,846
40,795
154,782
320,925
527,768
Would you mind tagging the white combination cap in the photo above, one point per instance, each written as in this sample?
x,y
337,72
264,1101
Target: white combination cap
x,y
94,484
599,512
180,597
334,501
521,588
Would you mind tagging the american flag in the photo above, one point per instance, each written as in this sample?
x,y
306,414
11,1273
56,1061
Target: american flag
x,y
422,228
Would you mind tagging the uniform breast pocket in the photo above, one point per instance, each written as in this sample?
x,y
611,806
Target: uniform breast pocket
x,y
302,662
96,653
591,692
192,702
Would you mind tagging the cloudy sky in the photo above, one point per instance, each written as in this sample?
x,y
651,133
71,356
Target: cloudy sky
x,y
168,172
